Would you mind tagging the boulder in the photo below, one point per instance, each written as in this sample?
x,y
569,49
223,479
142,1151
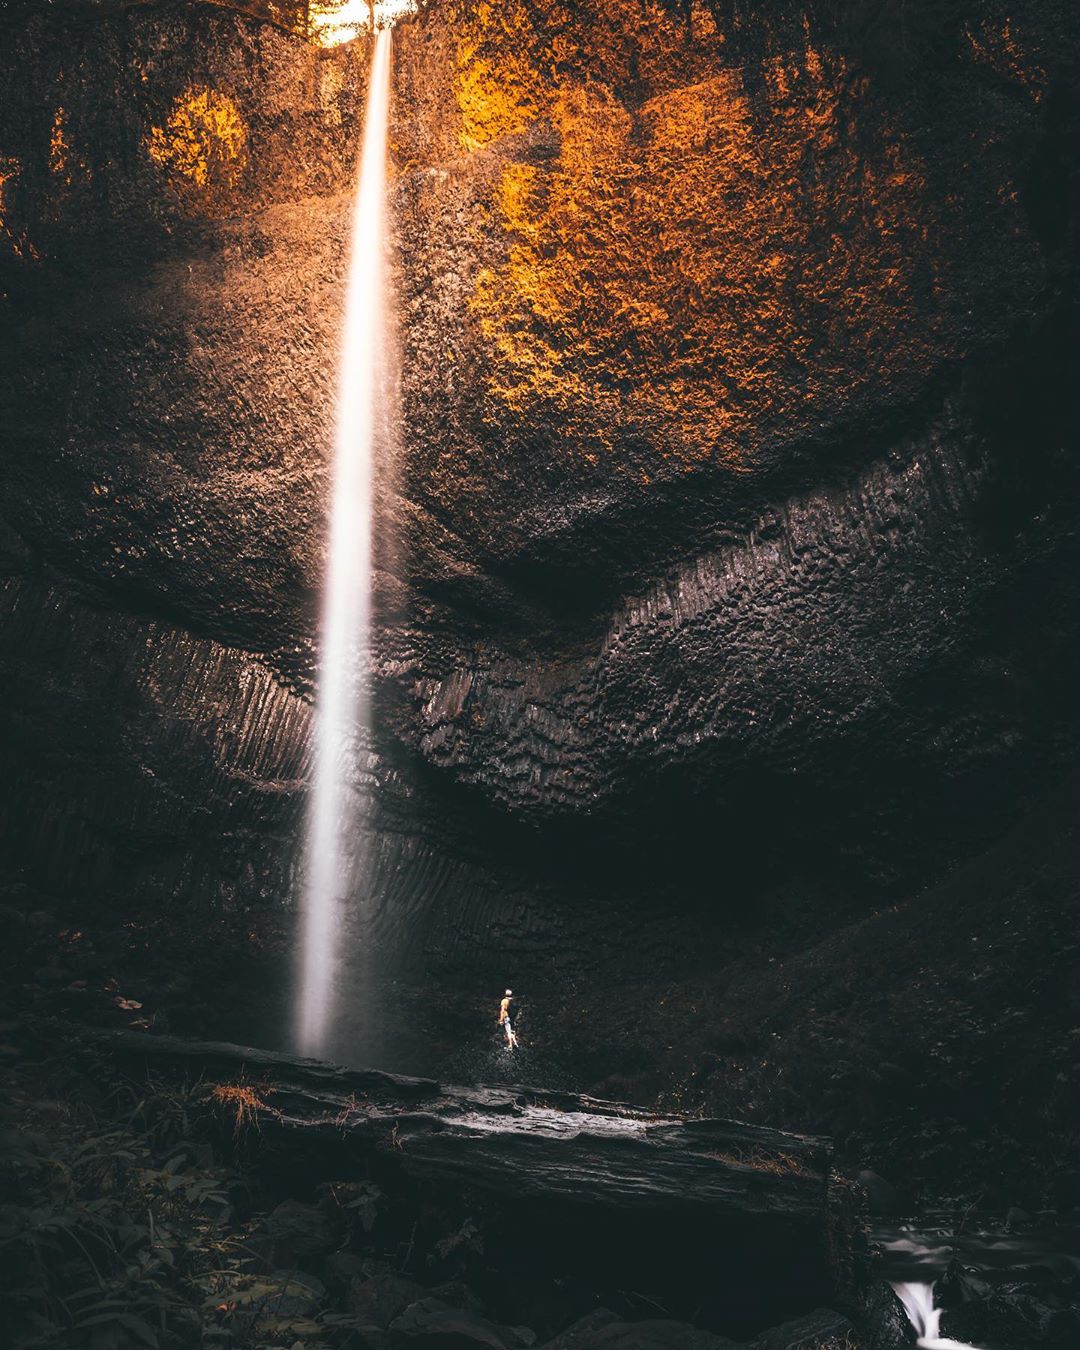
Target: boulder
x,y
815,1331
1011,1317
882,1197
884,1323
960,1285
458,1295
431,1324
300,1229
578,1335
378,1300
287,1293
342,1269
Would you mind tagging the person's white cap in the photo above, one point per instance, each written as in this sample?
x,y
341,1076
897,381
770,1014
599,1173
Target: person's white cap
x,y
508,993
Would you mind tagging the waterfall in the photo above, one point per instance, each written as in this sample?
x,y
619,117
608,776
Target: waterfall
x,y
341,710
918,1301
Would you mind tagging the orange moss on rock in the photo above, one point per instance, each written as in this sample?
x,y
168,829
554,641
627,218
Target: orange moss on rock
x,y
686,236
1001,46
59,149
499,89
14,235
493,103
203,141
678,263
241,1102
65,164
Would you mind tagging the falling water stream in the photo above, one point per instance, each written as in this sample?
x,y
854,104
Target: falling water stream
x,y
918,1301
341,710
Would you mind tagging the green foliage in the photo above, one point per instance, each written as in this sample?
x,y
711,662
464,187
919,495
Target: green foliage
x,y
118,1234
105,1227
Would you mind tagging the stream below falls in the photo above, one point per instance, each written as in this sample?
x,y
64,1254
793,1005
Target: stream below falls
x,y
993,1289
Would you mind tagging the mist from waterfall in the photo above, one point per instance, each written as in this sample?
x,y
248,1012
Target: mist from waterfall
x,y
342,705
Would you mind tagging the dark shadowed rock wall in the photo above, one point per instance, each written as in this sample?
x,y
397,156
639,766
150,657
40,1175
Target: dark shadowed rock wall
x,y
729,548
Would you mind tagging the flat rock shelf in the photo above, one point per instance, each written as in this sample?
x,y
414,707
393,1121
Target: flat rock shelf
x,y
718,1222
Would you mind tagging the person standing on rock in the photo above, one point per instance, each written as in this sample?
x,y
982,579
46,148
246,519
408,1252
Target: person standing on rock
x,y
505,1019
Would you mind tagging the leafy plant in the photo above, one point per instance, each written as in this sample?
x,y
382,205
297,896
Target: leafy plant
x,y
116,1234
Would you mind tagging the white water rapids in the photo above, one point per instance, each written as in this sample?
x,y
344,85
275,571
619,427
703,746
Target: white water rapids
x,y
918,1301
341,709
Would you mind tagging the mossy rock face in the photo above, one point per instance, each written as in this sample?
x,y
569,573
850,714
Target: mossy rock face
x,y
731,515
696,235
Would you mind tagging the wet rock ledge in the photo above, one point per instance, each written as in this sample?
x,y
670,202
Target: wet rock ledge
x,y
566,1188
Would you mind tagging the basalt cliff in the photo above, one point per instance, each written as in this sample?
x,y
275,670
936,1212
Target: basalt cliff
x,y
728,590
